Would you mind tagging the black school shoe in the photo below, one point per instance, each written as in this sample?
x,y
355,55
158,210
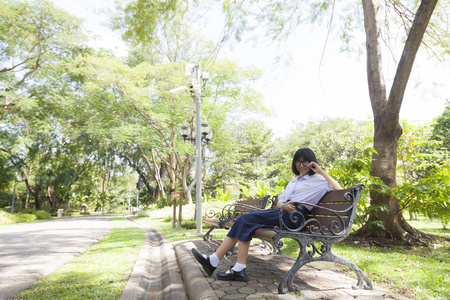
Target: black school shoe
x,y
206,264
234,276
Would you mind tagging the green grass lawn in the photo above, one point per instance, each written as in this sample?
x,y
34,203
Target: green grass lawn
x,y
100,273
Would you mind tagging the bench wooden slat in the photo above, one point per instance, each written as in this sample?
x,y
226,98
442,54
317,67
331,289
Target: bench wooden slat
x,y
216,222
326,220
334,196
335,206
265,233
252,201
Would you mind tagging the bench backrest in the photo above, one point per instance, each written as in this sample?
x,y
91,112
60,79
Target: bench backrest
x,y
256,202
333,200
232,211
333,214
335,211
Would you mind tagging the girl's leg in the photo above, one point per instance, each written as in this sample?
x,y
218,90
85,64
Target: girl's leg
x,y
243,252
239,271
225,246
229,243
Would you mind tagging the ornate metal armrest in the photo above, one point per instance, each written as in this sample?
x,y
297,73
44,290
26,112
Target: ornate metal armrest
x,y
230,211
213,212
315,223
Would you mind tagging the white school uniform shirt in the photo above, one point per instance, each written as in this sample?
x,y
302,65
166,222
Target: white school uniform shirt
x,y
308,188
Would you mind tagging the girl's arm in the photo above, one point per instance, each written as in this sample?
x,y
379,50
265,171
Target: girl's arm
x,y
318,170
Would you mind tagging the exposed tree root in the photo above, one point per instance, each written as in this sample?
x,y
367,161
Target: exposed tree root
x,y
399,233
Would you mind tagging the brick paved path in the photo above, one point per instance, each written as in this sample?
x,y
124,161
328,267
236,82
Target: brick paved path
x,y
265,271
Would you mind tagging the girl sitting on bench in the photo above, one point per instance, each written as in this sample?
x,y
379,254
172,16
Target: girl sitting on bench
x,y
309,186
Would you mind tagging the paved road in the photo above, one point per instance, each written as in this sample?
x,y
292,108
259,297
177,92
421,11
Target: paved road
x,y
30,251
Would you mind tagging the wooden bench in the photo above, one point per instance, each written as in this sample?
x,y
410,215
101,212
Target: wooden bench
x,y
225,217
328,223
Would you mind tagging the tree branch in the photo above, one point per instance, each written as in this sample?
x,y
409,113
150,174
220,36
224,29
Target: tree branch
x,y
405,65
5,150
377,86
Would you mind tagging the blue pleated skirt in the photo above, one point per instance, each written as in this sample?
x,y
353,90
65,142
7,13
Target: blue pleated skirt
x,y
245,226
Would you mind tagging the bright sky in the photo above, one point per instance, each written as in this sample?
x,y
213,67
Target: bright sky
x,y
307,89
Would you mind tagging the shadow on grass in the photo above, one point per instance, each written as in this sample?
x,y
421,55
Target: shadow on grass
x,y
419,272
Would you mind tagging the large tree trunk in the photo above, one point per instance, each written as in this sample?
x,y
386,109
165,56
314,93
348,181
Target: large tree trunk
x,y
37,194
172,170
154,170
386,117
142,175
51,197
185,168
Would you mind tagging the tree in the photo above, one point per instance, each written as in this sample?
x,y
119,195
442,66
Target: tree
x,y
242,159
386,110
36,41
131,106
441,128
44,132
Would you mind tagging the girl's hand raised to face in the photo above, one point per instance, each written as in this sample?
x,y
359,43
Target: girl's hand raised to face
x,y
315,167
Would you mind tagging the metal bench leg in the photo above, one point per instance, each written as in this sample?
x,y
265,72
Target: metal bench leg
x,y
273,248
232,251
207,237
331,257
270,246
288,279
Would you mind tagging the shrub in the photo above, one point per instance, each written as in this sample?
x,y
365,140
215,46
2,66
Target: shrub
x,y
143,214
6,218
189,224
42,215
18,218
168,218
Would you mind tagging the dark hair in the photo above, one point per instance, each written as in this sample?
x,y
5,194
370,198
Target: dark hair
x,y
306,154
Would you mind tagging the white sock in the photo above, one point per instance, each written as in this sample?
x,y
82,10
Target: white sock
x,y
213,259
238,267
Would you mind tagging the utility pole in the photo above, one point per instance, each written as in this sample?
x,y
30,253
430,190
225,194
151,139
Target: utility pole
x,y
196,82
202,133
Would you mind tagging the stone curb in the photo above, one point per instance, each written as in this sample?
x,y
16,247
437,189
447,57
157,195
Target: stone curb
x,y
197,286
